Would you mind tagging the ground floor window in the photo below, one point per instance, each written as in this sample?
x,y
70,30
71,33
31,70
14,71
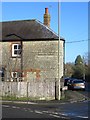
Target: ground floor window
x,y
15,76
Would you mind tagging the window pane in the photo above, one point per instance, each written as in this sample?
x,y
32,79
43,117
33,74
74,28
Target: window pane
x,y
18,52
15,52
14,74
15,46
19,46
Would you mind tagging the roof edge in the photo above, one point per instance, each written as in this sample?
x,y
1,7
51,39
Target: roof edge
x,y
46,27
57,37
39,39
49,29
17,20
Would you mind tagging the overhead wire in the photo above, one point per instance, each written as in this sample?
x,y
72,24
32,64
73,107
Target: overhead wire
x,y
78,41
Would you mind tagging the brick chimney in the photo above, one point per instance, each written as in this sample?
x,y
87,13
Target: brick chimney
x,y
47,18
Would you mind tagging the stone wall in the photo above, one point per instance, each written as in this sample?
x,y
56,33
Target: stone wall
x,y
44,89
40,60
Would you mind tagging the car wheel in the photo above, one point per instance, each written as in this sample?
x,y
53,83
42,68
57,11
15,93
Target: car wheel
x,y
83,89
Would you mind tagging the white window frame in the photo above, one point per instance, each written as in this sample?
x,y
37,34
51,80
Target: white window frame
x,y
12,74
16,49
17,77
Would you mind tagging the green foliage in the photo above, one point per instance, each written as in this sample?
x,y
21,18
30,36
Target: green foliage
x,y
79,68
12,98
78,60
69,69
88,73
78,72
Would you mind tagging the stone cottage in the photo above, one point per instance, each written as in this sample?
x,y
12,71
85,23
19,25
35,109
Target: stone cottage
x,y
29,50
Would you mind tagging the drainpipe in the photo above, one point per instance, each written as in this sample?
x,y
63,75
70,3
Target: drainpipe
x,y
21,39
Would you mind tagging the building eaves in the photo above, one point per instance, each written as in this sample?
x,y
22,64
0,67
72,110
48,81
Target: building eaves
x,y
27,30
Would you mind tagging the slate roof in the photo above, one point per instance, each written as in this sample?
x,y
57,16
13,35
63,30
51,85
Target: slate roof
x,y
27,30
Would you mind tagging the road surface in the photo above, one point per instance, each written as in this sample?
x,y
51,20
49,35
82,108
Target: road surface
x,y
75,111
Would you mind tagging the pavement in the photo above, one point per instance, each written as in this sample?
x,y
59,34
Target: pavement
x,y
77,95
71,96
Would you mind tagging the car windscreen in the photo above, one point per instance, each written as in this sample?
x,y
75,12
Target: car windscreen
x,y
78,81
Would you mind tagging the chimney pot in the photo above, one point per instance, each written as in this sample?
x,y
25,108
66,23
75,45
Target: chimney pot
x,y
46,18
46,10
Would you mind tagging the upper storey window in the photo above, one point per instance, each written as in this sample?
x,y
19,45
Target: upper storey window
x,y
16,50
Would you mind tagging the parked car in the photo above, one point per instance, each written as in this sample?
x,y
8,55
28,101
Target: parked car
x,y
67,80
76,84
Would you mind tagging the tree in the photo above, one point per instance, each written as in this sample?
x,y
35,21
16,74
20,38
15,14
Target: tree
x,y
78,72
85,58
69,69
79,68
78,60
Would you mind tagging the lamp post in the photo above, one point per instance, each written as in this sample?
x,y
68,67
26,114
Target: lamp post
x,y
59,92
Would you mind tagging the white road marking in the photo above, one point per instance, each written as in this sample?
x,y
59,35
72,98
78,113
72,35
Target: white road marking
x,y
72,114
45,111
18,107
9,106
26,110
24,102
30,110
14,107
82,116
5,106
31,103
64,114
54,115
38,112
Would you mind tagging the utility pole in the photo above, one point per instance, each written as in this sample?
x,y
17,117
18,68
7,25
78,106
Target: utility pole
x,y
59,92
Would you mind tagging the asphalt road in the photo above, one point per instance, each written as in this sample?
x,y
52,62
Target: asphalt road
x,y
11,110
75,111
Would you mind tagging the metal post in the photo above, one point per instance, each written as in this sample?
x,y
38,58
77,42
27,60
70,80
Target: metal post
x,y
21,71
21,60
59,93
83,71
